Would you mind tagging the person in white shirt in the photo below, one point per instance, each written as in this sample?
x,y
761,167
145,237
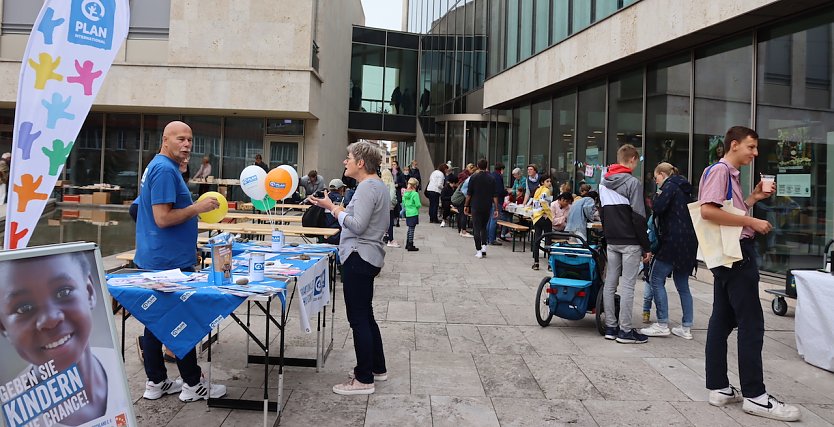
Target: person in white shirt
x,y
433,189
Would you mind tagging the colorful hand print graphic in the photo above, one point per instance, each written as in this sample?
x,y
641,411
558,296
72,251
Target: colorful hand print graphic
x,y
48,25
85,76
27,191
45,69
57,109
57,155
26,138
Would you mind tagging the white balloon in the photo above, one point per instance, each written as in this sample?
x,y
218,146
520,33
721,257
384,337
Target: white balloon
x,y
252,180
294,174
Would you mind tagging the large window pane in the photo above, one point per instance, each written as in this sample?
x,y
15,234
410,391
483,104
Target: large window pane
x,y
366,79
243,138
496,36
401,80
521,137
206,132
563,131
667,115
526,30
795,122
540,135
454,143
560,21
625,115
149,19
511,47
20,15
121,154
590,135
542,25
723,76
603,8
501,143
581,15
84,163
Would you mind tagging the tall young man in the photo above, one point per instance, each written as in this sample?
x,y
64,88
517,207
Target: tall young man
x,y
736,288
624,225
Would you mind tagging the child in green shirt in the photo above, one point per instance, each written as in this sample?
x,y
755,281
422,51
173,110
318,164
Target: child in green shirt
x,y
411,206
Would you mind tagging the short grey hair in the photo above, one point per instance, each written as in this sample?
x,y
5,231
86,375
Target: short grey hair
x,y
369,153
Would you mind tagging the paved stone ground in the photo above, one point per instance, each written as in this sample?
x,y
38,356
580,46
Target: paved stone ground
x,y
464,349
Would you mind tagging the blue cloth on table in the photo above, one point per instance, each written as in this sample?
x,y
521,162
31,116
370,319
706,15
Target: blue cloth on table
x,y
180,319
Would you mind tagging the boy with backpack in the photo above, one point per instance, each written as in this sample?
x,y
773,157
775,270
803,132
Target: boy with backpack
x,y
623,217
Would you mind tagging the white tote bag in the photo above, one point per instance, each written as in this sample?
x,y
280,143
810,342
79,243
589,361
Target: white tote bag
x,y
718,245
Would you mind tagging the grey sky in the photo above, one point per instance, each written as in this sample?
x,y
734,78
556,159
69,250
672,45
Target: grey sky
x,y
383,13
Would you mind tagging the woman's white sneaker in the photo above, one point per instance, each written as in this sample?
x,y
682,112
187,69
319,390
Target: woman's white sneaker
x,y
774,409
684,332
393,244
656,330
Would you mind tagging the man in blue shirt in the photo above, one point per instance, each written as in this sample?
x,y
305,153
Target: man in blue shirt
x,y
501,193
166,238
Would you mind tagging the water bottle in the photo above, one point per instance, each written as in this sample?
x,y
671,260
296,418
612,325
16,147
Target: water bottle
x,y
277,240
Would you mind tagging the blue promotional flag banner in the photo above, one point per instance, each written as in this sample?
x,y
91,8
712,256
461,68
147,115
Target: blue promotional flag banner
x,y
72,45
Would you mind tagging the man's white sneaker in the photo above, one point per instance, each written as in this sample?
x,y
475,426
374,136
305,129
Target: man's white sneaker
x,y
774,409
656,330
393,244
155,391
202,390
479,254
683,332
721,398
443,223
465,233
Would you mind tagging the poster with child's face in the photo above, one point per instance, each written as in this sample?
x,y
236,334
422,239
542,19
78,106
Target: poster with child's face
x,y
61,365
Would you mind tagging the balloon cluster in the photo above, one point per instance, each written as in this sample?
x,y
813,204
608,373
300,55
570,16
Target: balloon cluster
x,y
266,189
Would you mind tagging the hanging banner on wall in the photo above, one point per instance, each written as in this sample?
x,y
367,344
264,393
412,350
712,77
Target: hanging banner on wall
x,y
72,45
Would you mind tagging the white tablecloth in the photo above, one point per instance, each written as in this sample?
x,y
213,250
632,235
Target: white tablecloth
x,y
815,318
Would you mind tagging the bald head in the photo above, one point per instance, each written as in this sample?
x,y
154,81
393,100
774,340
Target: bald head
x,y
176,141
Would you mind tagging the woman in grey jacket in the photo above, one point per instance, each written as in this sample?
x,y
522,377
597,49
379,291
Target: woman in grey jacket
x,y
364,221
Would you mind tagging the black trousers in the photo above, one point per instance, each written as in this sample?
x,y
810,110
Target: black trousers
x,y
479,228
543,225
358,278
736,304
434,203
155,365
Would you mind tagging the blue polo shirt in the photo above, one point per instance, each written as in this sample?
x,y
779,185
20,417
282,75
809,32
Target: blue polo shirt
x,y
171,247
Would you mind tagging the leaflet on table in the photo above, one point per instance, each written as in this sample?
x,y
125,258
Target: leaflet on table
x,y
249,290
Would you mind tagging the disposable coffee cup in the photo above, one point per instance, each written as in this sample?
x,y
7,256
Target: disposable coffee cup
x,y
277,240
256,267
767,183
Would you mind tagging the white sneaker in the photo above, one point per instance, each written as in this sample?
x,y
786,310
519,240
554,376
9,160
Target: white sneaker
x,y
683,332
202,390
721,398
155,391
393,244
442,223
479,254
465,233
774,409
656,330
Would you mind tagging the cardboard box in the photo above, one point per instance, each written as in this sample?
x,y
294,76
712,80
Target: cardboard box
x,y
101,198
72,198
86,199
99,216
85,214
69,214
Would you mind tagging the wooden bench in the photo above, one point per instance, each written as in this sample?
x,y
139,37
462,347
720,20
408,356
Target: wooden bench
x,y
518,231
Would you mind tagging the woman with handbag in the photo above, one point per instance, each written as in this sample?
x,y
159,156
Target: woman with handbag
x,y
677,249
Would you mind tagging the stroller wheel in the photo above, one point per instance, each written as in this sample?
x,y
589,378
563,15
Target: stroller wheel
x,y
543,313
601,311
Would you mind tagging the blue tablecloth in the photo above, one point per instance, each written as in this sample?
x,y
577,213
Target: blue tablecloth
x,y
239,248
180,319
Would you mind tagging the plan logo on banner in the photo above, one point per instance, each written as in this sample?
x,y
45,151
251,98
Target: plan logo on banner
x,y
91,23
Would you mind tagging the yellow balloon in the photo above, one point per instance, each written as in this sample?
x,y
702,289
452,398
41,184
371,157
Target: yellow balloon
x,y
217,214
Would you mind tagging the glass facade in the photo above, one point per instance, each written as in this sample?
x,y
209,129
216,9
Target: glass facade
x,y
115,148
776,79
